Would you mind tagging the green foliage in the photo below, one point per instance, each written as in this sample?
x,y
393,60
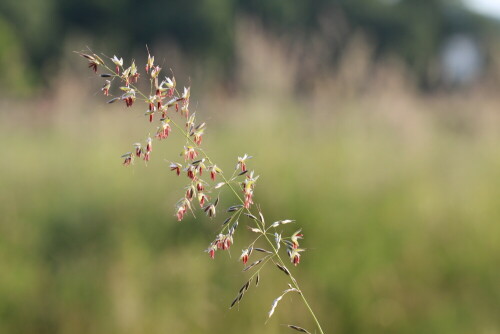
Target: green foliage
x,y
205,29
15,73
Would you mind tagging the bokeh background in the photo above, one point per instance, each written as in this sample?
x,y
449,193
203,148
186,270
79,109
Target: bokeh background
x,y
374,123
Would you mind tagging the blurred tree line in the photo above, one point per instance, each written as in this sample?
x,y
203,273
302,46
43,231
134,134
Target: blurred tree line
x,y
33,32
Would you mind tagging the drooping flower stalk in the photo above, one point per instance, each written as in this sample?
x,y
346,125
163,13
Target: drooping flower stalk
x,y
162,98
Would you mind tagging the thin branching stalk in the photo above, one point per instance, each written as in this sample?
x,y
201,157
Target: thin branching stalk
x,y
276,253
165,95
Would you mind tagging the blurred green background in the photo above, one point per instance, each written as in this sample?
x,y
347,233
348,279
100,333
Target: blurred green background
x,y
374,124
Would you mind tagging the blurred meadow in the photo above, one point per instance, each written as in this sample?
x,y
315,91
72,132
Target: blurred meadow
x,y
393,173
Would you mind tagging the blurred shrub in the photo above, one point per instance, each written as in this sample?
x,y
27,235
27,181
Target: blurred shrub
x,y
204,29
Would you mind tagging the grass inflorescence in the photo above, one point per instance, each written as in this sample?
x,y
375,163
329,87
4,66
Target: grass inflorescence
x,y
169,108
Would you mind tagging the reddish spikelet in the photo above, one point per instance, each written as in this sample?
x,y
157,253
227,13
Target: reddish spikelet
x,y
128,161
244,256
190,193
182,208
248,200
202,199
210,210
93,66
211,250
190,153
197,139
163,130
118,63
129,101
214,170
242,162
295,239
138,150
223,241
106,87
180,213
134,77
176,167
200,186
294,255
191,172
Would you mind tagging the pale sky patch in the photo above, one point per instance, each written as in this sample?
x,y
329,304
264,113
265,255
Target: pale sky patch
x,y
485,7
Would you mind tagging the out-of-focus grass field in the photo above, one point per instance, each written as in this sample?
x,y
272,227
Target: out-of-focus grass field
x,y
398,195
